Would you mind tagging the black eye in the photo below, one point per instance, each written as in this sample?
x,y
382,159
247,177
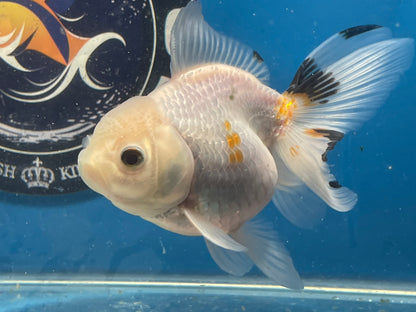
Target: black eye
x,y
132,156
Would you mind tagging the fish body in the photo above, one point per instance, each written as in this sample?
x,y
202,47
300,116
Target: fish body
x,y
225,115
205,152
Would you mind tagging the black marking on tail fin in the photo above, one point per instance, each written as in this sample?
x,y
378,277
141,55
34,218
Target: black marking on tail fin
x,y
315,83
257,56
333,136
334,184
357,30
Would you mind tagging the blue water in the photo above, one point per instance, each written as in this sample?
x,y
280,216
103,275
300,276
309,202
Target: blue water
x,y
84,234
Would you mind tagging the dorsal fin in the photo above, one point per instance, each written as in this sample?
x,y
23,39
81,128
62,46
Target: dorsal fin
x,y
194,42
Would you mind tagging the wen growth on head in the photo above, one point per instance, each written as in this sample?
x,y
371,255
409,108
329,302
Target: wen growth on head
x,y
205,152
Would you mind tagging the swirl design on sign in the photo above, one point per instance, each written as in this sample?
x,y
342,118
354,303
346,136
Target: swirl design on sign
x,y
32,25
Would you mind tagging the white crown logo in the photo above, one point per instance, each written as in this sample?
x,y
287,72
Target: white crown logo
x,y
37,176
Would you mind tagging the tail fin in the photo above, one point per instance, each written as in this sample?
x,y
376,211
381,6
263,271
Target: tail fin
x,y
335,89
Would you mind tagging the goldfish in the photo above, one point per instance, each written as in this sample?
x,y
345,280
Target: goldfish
x,y
206,151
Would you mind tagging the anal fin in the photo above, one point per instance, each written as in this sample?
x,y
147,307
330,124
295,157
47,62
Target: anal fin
x,y
299,204
233,262
268,253
264,249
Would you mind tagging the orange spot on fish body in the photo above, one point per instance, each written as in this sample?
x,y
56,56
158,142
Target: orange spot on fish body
x,y
236,156
227,125
233,141
236,138
239,156
230,141
287,104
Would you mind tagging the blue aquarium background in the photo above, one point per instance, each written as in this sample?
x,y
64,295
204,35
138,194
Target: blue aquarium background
x,y
85,233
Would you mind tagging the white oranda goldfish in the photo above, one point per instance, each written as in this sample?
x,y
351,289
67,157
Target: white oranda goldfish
x,y
206,151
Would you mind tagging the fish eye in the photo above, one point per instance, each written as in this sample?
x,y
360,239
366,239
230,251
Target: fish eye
x,y
132,156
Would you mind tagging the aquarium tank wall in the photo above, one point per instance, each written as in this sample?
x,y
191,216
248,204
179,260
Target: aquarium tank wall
x,y
65,64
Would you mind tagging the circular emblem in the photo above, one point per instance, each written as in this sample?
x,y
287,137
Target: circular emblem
x,y
63,65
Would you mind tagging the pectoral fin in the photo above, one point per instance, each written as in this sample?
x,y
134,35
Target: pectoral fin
x,y
211,232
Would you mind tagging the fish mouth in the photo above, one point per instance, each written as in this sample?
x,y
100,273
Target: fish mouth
x,y
90,174
86,141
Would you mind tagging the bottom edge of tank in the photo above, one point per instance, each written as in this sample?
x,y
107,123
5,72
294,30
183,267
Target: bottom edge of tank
x,y
47,293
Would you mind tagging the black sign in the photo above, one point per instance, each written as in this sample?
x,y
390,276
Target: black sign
x,y
63,65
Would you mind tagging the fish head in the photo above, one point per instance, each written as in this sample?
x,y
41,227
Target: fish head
x,y
137,159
